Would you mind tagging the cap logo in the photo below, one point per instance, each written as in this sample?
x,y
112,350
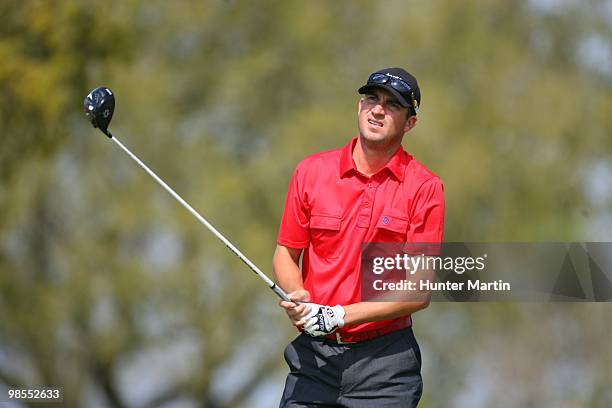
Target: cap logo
x,y
394,76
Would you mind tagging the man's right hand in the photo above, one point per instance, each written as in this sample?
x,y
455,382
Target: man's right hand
x,y
296,311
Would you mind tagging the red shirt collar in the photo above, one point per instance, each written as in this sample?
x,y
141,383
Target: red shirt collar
x,y
396,164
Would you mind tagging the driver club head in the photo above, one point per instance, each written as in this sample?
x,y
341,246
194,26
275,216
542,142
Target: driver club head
x,y
99,107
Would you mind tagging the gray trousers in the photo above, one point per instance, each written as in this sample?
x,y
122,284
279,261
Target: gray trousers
x,y
383,372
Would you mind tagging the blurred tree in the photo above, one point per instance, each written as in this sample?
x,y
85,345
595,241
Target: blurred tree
x,y
109,289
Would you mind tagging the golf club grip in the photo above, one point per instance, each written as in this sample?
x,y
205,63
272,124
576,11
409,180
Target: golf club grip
x,y
277,289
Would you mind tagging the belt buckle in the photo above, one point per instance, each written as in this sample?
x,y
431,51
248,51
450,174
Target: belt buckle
x,y
339,340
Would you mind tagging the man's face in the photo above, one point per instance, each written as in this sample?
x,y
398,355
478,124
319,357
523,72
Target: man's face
x,y
382,120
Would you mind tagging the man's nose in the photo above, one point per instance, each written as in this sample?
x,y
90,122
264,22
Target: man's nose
x,y
378,109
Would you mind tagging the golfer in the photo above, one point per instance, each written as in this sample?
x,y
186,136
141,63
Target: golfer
x,y
353,353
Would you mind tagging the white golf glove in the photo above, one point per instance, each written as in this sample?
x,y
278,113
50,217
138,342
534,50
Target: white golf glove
x,y
323,320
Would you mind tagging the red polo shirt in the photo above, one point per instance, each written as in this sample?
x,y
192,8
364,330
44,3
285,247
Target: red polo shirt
x,y
332,208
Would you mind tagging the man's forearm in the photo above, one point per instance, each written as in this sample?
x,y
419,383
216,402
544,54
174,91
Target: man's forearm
x,y
363,312
391,305
286,268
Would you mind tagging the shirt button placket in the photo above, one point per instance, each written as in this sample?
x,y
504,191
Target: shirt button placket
x,y
365,213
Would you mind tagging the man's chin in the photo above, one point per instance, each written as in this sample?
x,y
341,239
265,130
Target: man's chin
x,y
379,142
374,138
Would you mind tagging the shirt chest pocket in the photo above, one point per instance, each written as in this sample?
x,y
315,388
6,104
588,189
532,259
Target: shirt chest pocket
x,y
391,228
325,235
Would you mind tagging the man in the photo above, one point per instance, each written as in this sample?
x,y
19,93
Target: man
x,y
353,353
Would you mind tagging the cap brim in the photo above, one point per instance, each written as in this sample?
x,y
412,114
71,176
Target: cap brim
x,y
400,99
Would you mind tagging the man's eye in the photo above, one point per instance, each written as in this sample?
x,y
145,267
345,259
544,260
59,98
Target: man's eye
x,y
393,105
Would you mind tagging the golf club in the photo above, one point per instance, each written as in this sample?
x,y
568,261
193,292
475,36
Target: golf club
x,y
99,107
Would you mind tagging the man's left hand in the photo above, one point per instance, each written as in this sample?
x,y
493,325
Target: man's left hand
x,y
323,320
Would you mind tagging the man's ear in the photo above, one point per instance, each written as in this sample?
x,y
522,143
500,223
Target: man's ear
x,y
410,123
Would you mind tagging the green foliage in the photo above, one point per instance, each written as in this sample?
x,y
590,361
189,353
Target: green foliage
x,y
98,266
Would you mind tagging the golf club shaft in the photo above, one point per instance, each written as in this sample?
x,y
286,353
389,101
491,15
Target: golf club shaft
x,y
277,289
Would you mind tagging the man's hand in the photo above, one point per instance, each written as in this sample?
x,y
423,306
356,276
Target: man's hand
x,y
323,320
298,309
